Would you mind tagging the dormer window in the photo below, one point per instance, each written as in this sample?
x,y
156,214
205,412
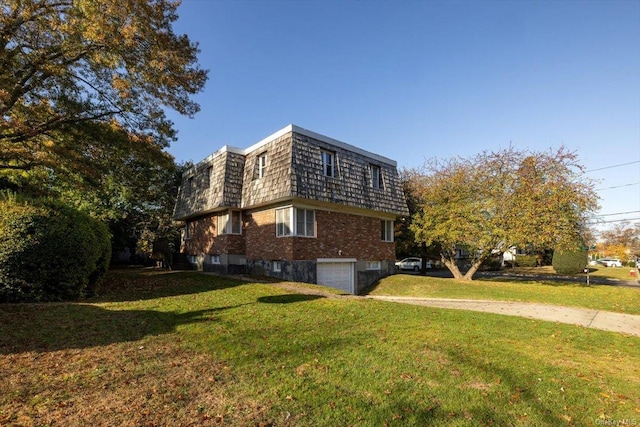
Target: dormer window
x,y
189,186
376,176
328,163
207,177
262,165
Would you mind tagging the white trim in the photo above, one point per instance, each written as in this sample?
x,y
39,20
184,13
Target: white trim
x,y
343,145
285,130
297,129
333,260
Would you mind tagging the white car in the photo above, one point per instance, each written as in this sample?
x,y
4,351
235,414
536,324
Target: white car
x,y
411,263
610,262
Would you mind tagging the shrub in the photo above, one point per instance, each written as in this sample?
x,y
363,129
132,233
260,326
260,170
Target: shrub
x,y
569,262
49,251
493,263
526,260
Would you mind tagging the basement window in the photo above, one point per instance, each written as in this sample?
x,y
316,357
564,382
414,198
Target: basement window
x,y
276,266
373,265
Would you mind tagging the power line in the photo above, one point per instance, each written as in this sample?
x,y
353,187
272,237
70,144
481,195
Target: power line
x,y
614,220
618,186
613,166
619,213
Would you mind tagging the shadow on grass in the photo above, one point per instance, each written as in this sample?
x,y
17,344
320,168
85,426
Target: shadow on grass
x,y
288,298
148,283
52,327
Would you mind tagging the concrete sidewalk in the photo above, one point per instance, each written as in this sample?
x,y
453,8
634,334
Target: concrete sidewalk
x,y
605,320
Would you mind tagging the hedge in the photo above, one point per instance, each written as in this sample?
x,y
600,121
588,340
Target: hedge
x,y
49,251
569,262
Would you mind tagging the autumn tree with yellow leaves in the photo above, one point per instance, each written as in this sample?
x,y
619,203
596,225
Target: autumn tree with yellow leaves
x,y
483,205
74,69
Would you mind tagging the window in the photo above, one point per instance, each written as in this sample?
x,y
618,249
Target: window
x,y
189,189
295,222
376,176
230,223
262,164
373,265
283,222
328,165
305,222
276,266
207,177
386,228
187,231
214,259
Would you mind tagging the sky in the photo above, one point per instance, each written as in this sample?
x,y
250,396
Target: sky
x,y
413,80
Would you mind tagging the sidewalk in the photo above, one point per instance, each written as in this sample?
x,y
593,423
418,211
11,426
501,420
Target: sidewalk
x,y
605,320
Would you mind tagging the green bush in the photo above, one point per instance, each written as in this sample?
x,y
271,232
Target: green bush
x,y
49,251
526,260
493,263
569,262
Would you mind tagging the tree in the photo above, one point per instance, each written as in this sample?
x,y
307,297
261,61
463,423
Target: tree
x,y
83,88
406,243
67,65
495,200
621,240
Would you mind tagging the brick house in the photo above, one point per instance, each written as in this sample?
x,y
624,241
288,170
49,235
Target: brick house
x,y
298,206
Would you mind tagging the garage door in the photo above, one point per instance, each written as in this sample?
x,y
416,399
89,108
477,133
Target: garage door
x,y
337,274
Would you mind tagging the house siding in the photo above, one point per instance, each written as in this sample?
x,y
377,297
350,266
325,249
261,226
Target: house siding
x,y
351,185
338,235
348,209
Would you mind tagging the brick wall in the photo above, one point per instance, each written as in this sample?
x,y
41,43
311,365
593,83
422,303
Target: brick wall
x,y
205,239
260,234
338,235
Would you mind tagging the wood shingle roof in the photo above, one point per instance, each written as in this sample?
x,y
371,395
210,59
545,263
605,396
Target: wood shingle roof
x,y
293,171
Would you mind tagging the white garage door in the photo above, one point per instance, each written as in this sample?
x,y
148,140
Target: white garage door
x,y
337,274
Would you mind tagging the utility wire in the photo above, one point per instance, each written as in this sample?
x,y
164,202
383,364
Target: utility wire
x,y
619,213
615,220
613,166
618,186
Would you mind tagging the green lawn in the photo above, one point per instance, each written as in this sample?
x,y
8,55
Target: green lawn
x,y
600,297
169,348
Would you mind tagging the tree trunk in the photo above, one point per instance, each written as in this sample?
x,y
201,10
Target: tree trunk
x,y
474,267
450,263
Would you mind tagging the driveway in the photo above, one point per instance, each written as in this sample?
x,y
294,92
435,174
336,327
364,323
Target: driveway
x,y
597,319
634,283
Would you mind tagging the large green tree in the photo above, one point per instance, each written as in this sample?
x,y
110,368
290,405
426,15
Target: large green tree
x,y
68,63
84,85
486,204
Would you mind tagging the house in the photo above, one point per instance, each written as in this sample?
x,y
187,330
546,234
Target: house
x,y
298,206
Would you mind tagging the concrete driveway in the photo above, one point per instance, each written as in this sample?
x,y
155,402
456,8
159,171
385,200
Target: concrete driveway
x,y
597,319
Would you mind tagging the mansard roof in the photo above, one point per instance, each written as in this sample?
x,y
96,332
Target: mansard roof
x,y
230,177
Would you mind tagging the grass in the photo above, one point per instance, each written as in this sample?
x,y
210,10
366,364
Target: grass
x,y
175,348
617,273
599,297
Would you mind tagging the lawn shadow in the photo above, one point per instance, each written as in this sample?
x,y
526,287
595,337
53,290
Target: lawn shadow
x,y
148,283
288,298
60,326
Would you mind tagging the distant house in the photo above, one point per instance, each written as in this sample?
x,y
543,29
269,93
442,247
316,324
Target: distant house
x,y
298,206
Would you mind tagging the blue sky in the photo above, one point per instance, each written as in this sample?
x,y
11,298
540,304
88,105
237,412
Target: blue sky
x,y
411,80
